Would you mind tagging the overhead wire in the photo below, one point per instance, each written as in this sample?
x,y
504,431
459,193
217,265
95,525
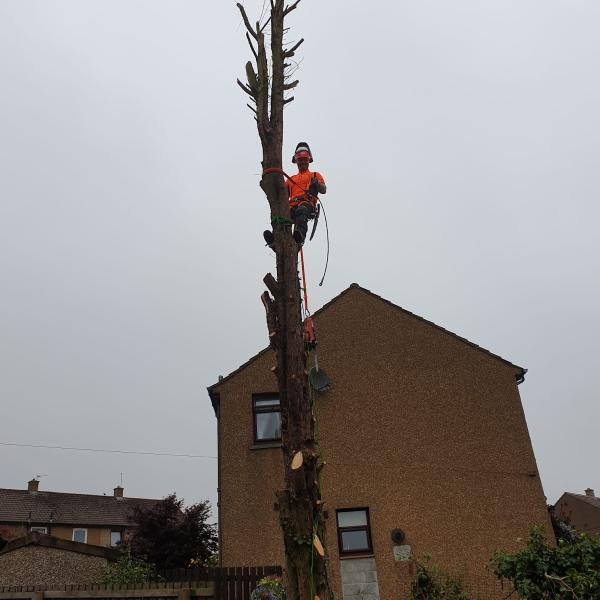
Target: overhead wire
x,y
110,451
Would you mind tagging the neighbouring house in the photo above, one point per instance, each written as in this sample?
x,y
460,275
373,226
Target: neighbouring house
x,y
580,511
426,447
39,559
86,518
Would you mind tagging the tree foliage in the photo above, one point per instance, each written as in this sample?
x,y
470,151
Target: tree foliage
x,y
169,536
571,570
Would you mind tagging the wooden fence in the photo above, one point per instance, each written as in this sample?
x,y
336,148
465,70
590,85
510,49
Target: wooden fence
x,y
227,583
231,583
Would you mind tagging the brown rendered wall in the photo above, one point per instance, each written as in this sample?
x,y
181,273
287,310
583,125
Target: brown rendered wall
x,y
424,429
583,516
39,565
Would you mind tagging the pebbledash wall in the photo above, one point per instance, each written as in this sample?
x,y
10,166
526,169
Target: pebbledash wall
x,y
421,427
38,559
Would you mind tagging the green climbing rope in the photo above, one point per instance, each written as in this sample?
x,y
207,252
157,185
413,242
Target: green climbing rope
x,y
315,520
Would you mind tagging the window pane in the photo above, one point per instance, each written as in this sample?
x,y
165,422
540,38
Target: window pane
x,y
354,540
39,529
266,402
79,535
352,518
115,538
268,425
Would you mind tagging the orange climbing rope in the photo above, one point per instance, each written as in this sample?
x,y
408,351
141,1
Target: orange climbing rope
x,y
310,338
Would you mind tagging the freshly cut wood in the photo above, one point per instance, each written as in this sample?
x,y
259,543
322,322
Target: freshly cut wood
x,y
297,460
318,546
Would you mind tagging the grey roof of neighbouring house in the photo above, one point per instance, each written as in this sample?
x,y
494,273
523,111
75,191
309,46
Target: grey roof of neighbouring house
x,y
593,500
22,506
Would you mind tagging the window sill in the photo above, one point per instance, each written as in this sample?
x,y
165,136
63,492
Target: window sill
x,y
265,445
359,555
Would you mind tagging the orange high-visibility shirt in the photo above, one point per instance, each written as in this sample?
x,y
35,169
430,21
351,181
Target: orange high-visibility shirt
x,y
298,185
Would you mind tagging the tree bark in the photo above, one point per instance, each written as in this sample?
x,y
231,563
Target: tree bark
x,y
299,503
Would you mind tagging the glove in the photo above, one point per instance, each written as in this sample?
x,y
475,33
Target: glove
x,y
313,188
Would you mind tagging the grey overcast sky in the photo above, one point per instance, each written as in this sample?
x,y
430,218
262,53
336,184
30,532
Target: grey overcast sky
x,y
461,146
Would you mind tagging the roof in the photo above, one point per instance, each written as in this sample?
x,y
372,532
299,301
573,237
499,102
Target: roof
x,y
22,506
593,500
520,371
49,541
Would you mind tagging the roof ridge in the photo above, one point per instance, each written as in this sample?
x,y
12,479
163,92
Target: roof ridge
x,y
46,492
443,329
520,377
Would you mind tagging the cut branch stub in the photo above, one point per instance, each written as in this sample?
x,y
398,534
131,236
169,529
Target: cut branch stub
x,y
246,89
251,46
246,21
318,546
290,8
272,285
297,460
289,53
251,75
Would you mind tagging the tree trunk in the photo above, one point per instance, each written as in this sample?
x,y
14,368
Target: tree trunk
x,y
299,503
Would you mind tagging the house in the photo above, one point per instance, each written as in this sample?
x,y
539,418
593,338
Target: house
x,y
38,559
426,445
581,511
86,518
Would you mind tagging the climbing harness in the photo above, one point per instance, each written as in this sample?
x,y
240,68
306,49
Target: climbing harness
x,y
284,222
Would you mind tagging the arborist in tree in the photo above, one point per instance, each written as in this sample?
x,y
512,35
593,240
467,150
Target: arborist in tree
x,y
303,190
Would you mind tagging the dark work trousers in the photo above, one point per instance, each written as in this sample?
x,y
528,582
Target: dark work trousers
x,y
300,216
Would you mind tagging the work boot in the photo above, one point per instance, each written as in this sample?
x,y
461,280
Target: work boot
x,y
298,236
269,238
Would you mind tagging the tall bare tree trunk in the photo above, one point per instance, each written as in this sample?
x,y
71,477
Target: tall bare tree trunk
x,y
299,503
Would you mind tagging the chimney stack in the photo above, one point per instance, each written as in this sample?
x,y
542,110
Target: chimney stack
x,y
118,492
590,492
32,486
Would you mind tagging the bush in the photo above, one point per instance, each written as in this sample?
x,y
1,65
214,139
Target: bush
x,y
431,584
269,588
128,569
539,572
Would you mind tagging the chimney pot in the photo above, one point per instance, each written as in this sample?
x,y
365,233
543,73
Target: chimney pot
x,y
33,485
590,492
118,492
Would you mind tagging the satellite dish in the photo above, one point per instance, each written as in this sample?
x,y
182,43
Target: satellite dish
x,y
319,380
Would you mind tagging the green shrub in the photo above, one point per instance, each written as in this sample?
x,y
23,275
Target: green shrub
x,y
269,588
431,584
128,569
571,570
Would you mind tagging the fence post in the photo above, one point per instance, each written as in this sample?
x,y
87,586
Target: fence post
x,y
184,594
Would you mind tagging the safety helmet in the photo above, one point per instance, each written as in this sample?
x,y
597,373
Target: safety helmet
x,y
302,151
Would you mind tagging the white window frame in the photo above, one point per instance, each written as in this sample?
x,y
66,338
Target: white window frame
x,y
120,538
38,529
85,532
